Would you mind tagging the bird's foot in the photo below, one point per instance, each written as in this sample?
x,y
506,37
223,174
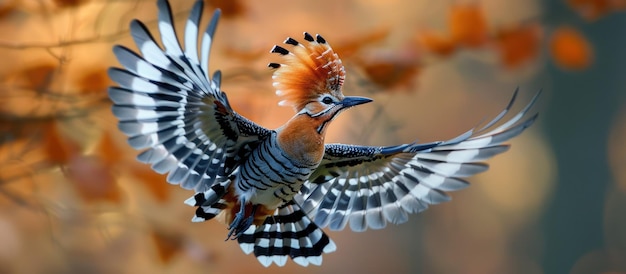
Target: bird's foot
x,y
241,223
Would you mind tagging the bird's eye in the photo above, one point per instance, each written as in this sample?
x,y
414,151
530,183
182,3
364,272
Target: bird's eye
x,y
327,100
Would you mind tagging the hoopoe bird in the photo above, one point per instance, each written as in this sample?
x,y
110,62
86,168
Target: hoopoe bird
x,y
277,189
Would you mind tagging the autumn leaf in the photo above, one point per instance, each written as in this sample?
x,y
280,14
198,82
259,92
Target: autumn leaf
x,y
69,3
390,71
468,25
167,244
108,151
617,5
37,77
7,7
570,49
156,183
244,55
94,82
590,9
57,148
230,8
390,75
436,42
519,44
350,46
92,179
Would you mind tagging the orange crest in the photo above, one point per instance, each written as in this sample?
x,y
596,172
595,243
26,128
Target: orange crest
x,y
308,71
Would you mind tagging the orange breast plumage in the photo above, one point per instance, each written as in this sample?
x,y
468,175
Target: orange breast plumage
x,y
308,70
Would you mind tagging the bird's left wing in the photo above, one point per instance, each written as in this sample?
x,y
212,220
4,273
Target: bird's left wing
x,y
370,186
167,105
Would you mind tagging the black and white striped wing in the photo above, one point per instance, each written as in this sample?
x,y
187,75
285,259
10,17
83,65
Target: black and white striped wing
x,y
370,186
167,104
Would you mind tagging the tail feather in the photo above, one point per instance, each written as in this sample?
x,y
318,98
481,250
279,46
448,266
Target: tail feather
x,y
210,203
288,233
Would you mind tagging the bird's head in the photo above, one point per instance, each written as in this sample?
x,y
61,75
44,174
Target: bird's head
x,y
310,78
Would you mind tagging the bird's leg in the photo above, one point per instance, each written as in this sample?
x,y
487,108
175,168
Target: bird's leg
x,y
237,220
246,223
241,223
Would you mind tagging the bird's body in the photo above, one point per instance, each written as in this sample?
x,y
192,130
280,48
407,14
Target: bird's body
x,y
271,175
277,188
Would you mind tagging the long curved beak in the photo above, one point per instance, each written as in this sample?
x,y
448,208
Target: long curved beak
x,y
350,101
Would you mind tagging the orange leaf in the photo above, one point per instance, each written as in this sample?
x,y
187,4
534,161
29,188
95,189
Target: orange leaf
x,y
518,44
156,183
94,82
37,77
390,75
617,5
391,71
167,244
230,8
108,151
590,9
467,25
7,7
69,3
57,148
92,179
569,49
244,55
436,43
347,48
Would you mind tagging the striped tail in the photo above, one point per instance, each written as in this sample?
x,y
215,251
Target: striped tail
x,y
289,232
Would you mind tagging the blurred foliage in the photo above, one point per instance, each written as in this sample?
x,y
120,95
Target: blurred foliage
x,y
74,200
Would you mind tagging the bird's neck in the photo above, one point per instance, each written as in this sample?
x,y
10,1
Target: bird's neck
x,y
302,138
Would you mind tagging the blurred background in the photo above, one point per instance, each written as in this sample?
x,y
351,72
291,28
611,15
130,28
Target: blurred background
x,y
74,200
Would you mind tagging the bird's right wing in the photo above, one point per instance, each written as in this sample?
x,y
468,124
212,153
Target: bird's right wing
x,y
167,104
369,186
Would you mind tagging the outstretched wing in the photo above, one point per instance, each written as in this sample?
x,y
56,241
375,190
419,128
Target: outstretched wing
x,y
167,104
370,186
